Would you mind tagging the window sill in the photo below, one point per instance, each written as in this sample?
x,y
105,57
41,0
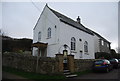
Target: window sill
x,y
73,51
87,53
48,38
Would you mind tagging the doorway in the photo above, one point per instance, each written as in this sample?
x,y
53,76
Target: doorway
x,y
65,60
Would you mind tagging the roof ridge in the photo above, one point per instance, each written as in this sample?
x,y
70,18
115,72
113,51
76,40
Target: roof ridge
x,y
59,13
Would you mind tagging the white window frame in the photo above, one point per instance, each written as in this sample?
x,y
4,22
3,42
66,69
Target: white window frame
x,y
102,42
107,45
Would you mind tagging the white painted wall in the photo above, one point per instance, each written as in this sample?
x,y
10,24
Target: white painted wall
x,y
61,35
67,32
47,19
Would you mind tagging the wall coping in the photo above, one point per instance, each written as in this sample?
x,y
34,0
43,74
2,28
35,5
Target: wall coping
x,y
59,54
70,55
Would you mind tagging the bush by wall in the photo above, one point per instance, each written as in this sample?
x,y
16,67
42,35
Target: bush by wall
x,y
105,55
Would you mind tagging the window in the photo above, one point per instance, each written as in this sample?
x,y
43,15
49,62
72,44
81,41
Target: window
x,y
108,45
102,42
86,46
49,33
39,36
73,43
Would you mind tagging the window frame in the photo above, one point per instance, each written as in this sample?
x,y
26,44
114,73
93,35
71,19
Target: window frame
x,y
73,44
49,33
102,42
107,45
39,36
86,47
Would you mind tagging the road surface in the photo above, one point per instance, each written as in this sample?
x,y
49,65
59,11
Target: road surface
x,y
113,75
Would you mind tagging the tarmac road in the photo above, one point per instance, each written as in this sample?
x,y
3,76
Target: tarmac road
x,y
113,75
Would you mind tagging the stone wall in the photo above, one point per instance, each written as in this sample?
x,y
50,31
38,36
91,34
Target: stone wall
x,y
45,65
83,64
28,63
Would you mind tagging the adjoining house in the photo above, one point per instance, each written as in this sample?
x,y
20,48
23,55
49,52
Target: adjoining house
x,y
53,30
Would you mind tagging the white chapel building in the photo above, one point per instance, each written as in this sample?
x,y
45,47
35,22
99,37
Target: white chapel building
x,y
53,30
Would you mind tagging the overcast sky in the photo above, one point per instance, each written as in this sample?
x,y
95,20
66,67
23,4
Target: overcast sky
x,y
19,18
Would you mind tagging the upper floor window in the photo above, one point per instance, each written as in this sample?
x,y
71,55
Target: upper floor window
x,y
39,36
102,42
49,33
73,43
107,45
85,46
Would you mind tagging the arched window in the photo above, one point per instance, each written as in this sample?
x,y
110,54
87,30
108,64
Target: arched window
x,y
73,43
39,36
86,46
49,33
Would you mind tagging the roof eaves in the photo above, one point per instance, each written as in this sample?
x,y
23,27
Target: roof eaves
x,y
40,16
100,36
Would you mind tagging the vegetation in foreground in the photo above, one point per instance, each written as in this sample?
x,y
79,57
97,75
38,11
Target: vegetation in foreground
x,y
37,76
33,76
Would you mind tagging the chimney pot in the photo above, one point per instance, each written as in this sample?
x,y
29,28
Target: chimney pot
x,y
78,20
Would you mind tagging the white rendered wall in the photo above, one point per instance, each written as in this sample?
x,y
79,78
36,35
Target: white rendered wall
x,y
47,19
67,32
61,35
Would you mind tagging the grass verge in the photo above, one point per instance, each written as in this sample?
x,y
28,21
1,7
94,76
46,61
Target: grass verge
x,y
33,76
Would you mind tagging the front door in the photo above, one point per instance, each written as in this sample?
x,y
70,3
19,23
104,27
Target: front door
x,y
65,61
81,55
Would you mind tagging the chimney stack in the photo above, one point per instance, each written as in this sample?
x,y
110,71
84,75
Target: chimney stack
x,y
78,20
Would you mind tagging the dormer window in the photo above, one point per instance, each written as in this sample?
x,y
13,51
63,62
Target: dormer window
x,y
49,33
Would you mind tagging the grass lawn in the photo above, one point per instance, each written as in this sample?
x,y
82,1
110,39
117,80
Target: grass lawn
x,y
34,76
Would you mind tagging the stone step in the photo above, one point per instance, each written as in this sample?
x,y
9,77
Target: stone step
x,y
67,73
71,76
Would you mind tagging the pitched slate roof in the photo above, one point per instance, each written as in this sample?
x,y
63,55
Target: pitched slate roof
x,y
101,38
75,24
71,22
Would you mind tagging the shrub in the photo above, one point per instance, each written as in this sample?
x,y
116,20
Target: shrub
x,y
103,55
